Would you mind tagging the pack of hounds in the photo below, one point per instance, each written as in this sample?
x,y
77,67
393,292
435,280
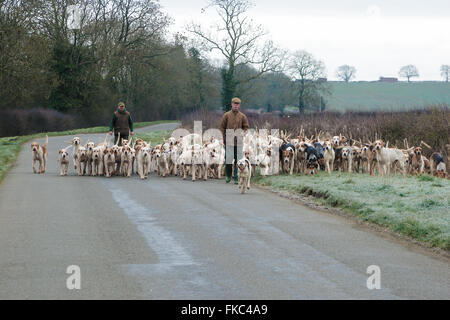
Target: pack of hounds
x,y
190,155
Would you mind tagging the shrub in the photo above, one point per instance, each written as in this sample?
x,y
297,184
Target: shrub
x,y
22,122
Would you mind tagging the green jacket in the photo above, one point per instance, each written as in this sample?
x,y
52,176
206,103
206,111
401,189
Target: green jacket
x,y
113,120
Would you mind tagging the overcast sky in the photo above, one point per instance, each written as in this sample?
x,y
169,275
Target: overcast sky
x,y
375,36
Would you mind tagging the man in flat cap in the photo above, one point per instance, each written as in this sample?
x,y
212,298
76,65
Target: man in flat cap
x,y
235,120
121,122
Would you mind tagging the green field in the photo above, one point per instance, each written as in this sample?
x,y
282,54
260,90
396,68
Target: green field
x,y
382,96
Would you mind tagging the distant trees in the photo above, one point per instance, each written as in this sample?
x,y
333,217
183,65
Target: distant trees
x,y
118,52
240,42
306,71
408,72
445,72
346,72
272,91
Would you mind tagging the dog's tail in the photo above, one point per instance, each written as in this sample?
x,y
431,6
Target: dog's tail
x,y
105,141
46,141
426,145
118,139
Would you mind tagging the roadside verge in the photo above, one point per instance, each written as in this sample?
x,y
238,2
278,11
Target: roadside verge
x,y
416,206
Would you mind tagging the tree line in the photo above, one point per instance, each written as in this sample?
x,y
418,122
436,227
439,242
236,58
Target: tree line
x,y
347,73
121,50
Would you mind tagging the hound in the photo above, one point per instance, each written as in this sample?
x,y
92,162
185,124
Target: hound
x,y
163,163
143,160
82,159
312,159
300,162
287,153
89,150
76,142
244,174
347,158
357,158
217,161
366,158
126,161
109,161
319,148
388,157
437,164
264,161
441,170
117,155
328,156
417,161
97,161
40,154
63,159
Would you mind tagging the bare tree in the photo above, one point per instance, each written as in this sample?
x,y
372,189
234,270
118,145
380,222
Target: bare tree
x,y
408,72
445,71
346,72
306,71
240,42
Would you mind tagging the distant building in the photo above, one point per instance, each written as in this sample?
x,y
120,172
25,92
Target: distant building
x,y
322,79
383,79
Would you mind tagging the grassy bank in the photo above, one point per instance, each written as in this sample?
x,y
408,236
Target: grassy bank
x,y
11,146
155,137
417,206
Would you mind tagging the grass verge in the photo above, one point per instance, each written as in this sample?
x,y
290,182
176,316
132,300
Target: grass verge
x,y
11,146
155,137
417,206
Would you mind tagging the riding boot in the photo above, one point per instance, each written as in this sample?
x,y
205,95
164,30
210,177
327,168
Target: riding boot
x,y
228,169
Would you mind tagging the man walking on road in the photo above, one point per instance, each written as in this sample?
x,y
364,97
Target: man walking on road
x,y
235,120
122,123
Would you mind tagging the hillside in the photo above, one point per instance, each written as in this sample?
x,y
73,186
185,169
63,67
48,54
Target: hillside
x,y
369,96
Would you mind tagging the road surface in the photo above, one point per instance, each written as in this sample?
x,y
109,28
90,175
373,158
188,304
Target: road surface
x,y
165,238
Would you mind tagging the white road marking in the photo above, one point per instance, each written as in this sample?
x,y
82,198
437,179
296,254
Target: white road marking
x,y
169,251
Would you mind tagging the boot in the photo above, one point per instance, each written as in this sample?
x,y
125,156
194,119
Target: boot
x,y
228,169
235,175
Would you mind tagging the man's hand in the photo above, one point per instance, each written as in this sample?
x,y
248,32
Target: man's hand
x,y
131,132
110,133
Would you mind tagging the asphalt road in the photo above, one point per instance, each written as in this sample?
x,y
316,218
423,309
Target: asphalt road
x,y
165,238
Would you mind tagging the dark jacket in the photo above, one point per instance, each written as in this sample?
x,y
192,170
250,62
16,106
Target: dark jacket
x,y
233,120
121,122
